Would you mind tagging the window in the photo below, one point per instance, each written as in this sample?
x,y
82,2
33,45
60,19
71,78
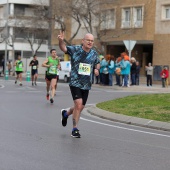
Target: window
x,y
1,12
29,12
132,17
108,19
166,12
138,17
19,10
127,15
126,18
139,14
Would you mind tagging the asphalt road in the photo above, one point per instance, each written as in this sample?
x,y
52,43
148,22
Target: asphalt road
x,y
32,138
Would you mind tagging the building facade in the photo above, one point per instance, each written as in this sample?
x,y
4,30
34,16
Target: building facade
x,y
19,22
143,21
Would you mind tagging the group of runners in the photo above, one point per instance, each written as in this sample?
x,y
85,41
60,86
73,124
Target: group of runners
x,y
83,61
19,70
52,63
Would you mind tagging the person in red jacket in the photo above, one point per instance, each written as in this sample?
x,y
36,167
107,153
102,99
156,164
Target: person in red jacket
x,y
164,75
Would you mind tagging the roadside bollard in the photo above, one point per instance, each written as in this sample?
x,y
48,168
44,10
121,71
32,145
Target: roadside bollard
x,y
6,75
28,76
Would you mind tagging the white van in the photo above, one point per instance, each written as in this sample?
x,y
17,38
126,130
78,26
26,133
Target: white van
x,y
64,73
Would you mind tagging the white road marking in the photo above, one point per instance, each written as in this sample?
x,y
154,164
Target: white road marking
x,y
119,127
33,91
2,86
11,91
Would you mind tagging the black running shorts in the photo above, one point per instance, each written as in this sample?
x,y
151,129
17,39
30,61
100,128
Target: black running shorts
x,y
33,72
50,77
18,72
78,93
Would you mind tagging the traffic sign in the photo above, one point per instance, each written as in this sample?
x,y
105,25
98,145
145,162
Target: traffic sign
x,y
129,44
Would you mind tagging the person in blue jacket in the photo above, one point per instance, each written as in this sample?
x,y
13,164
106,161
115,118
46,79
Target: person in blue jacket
x,y
104,67
125,70
111,69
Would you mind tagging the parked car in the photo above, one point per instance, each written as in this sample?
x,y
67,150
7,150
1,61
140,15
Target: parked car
x,y
64,73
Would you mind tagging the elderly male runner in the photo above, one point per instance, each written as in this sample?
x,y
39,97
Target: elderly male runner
x,y
83,60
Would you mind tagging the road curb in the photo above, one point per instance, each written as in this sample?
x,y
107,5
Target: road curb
x,y
93,110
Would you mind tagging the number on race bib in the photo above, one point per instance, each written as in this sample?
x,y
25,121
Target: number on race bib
x,y
84,69
34,67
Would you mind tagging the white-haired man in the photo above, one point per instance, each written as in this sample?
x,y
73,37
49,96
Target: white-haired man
x,y
83,60
149,73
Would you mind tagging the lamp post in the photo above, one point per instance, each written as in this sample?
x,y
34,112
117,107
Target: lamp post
x,y
6,50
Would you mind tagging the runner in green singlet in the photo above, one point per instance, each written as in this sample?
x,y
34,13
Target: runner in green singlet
x,y
53,64
19,70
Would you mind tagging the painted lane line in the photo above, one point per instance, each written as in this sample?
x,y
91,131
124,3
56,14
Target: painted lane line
x,y
2,86
129,129
33,91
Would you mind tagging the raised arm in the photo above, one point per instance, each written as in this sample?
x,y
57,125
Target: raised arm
x,y
62,44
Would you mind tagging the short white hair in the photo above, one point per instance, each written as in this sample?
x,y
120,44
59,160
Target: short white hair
x,y
133,59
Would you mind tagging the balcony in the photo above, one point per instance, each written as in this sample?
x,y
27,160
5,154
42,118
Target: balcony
x,y
2,23
126,24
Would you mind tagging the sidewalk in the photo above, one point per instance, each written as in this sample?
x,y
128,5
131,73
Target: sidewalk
x,y
157,88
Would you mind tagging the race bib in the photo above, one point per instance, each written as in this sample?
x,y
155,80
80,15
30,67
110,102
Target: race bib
x,y
84,69
52,70
34,67
20,66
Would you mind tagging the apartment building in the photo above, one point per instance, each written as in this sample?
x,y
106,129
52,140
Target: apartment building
x,y
19,22
161,49
133,20
143,21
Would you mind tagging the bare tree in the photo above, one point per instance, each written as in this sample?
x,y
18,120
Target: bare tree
x,y
3,34
34,26
86,13
95,16
61,11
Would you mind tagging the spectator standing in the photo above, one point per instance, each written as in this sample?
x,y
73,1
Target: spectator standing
x,y
133,71
111,69
3,64
149,73
104,65
118,71
9,67
125,69
137,72
164,75
101,71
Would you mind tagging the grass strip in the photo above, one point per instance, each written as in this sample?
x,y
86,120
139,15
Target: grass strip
x,y
148,106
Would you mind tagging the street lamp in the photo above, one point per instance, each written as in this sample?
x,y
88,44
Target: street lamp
x,y
7,10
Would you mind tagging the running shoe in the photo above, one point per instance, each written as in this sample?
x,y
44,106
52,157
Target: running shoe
x,y
76,134
15,82
48,96
35,84
51,100
64,117
32,84
20,84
